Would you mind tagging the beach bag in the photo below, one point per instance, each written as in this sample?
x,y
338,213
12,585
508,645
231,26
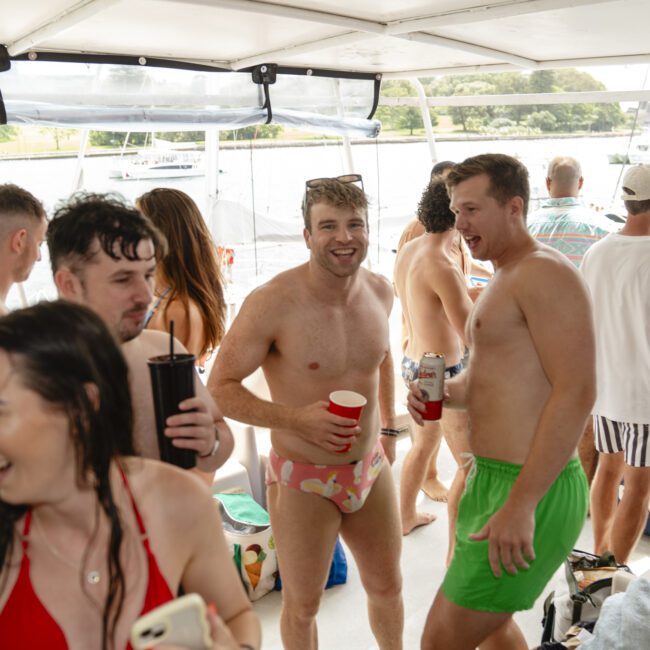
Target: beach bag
x,y
339,567
580,596
247,529
338,574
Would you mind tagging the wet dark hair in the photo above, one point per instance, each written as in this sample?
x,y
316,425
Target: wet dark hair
x,y
85,217
433,210
508,177
64,352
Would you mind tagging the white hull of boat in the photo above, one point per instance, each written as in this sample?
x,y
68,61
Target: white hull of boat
x,y
137,174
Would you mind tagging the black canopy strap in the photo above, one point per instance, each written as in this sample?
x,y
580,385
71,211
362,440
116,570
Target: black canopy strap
x,y
265,75
147,61
3,110
5,64
267,104
5,61
375,100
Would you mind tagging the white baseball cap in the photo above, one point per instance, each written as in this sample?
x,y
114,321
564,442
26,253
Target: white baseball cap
x,y
636,183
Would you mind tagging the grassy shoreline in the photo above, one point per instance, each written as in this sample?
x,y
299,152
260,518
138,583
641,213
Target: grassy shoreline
x,y
264,144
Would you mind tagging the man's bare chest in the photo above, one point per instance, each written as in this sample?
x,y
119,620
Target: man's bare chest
x,y
496,320
335,340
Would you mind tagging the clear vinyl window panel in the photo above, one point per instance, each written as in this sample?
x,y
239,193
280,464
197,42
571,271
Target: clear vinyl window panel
x,y
113,97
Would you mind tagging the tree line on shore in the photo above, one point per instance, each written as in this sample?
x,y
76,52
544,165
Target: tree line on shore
x,y
517,119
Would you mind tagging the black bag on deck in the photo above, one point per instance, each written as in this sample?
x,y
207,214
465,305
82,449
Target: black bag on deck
x,y
588,584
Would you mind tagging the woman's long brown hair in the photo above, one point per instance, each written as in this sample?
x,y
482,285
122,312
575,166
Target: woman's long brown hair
x,y
190,269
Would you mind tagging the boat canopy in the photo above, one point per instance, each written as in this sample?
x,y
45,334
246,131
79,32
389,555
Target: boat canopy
x,y
194,64
115,96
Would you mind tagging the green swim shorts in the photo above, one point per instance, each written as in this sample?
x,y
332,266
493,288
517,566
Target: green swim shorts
x,y
559,518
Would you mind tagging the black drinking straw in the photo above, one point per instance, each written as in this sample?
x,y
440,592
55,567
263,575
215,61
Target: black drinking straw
x,y
171,341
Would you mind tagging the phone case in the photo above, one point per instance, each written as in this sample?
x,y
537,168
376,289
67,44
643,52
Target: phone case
x,y
182,622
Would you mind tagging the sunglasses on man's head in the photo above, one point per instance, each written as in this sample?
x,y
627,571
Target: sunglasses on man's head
x,y
317,182
346,178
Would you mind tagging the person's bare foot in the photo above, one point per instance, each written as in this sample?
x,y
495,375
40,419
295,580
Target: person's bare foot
x,y
435,490
421,519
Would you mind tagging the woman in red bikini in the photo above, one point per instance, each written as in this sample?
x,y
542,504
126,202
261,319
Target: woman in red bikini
x,y
92,537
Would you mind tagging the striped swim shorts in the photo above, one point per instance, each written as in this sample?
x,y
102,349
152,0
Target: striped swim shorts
x,y
612,437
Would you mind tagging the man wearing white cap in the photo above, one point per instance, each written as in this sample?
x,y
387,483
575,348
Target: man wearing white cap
x,y
617,270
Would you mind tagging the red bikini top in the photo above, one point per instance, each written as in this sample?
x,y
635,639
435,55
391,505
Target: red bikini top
x,y
24,621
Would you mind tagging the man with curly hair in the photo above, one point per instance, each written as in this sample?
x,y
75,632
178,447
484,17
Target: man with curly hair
x,y
435,305
414,228
432,486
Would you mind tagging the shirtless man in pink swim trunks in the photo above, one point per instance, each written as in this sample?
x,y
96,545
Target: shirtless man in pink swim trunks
x,y
317,328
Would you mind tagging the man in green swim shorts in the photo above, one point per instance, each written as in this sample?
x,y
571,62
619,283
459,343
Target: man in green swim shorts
x,y
528,391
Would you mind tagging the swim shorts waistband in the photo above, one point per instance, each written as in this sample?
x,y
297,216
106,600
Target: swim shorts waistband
x,y
513,469
452,371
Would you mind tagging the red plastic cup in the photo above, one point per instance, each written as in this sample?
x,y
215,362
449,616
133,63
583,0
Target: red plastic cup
x,y
347,404
433,410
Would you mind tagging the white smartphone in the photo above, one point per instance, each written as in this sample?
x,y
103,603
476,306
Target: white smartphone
x,y
181,622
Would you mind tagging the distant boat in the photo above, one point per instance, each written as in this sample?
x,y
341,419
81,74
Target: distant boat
x,y
160,164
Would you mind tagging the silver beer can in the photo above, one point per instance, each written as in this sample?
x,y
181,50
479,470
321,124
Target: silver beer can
x,y
431,381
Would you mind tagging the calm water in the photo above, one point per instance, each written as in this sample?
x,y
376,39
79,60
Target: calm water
x,y
273,180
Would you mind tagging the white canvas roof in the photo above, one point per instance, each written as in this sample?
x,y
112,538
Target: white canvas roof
x,y
414,37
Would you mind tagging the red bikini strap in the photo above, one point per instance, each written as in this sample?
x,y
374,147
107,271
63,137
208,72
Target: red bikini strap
x,y
143,530
26,526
